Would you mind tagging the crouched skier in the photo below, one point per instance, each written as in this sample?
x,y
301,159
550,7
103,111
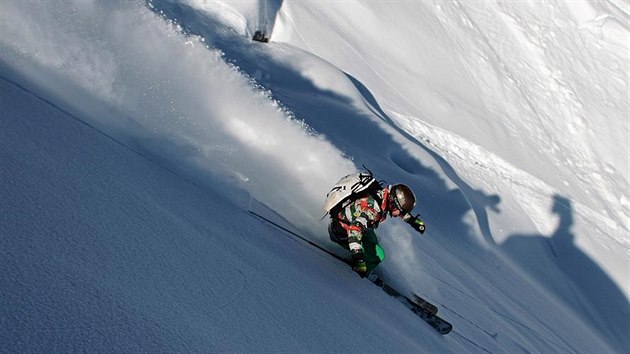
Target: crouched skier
x,y
353,227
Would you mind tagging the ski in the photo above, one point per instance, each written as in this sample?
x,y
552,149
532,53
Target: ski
x,y
435,321
419,306
429,307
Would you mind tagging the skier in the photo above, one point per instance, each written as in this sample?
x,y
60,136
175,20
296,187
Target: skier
x,y
352,227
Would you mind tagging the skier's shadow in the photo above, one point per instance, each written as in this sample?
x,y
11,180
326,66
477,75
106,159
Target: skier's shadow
x,y
558,264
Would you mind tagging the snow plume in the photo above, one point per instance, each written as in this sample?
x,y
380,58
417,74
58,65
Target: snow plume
x,y
180,100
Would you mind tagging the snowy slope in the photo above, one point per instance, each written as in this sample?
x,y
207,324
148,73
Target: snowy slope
x,y
527,100
105,250
183,122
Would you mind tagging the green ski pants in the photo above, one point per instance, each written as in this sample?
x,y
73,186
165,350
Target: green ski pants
x,y
373,253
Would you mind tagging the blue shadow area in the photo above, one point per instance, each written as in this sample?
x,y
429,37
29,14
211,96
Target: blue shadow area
x,y
573,276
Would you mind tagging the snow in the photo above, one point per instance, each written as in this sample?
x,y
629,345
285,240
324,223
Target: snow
x,y
135,138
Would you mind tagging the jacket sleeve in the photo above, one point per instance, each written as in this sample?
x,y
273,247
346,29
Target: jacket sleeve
x,y
361,215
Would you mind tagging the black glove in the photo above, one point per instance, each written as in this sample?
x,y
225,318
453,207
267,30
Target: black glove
x,y
416,223
360,267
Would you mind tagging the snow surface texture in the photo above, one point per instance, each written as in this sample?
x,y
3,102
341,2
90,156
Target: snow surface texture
x,y
133,136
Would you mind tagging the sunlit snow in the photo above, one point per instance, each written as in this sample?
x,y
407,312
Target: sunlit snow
x,y
135,137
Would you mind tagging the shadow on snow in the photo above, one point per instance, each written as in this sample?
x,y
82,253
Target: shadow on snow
x,y
573,276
